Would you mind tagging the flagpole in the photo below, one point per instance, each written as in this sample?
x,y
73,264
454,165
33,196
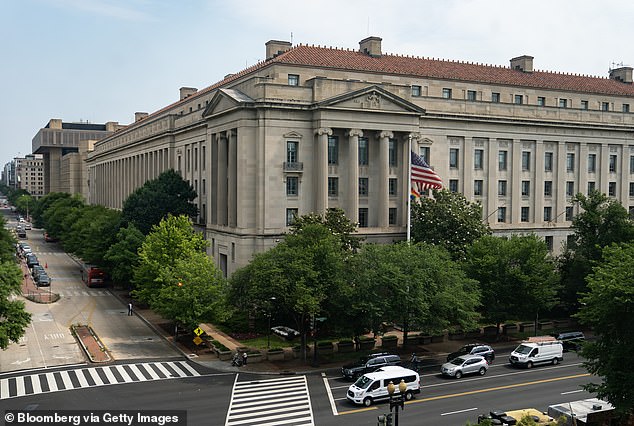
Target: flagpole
x,y
409,185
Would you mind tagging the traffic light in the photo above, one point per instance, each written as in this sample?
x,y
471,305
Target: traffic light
x,y
388,419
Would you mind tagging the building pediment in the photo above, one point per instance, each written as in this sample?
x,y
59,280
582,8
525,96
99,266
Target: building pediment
x,y
373,98
225,100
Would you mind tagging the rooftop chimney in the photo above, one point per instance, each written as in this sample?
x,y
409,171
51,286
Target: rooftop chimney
x,y
623,74
187,91
522,63
138,116
371,46
276,47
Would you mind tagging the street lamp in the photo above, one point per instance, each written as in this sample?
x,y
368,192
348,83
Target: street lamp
x,y
397,401
268,338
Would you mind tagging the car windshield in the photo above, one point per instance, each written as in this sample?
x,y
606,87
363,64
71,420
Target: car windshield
x,y
457,361
363,382
523,349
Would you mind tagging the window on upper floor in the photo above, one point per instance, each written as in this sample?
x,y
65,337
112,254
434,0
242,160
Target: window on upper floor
x,y
548,188
526,161
453,158
570,162
392,185
393,153
363,186
631,164
293,80
391,216
548,161
446,93
501,214
478,187
591,187
495,97
471,95
416,90
423,151
612,189
631,212
548,214
584,104
524,215
570,188
612,163
541,101
502,159
204,157
333,186
569,213
291,151
631,189
291,215
549,240
605,106
478,159
625,108
563,103
518,99
363,152
526,188
363,217
453,185
333,150
501,187
592,163
292,185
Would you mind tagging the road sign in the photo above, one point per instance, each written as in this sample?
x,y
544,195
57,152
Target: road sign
x,y
198,340
198,331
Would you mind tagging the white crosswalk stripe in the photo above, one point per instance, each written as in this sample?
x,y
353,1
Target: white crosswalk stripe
x,y
33,384
83,293
280,401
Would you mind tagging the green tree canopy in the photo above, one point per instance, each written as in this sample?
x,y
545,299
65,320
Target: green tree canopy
x,y
607,307
43,205
122,257
60,215
167,194
448,220
336,222
14,319
517,276
92,232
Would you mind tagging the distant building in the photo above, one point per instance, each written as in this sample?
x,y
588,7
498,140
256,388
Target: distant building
x,y
314,127
29,173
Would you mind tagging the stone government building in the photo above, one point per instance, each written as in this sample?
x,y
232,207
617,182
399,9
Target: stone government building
x,y
313,127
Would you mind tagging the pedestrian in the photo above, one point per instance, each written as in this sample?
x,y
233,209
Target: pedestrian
x,y
130,309
357,343
244,358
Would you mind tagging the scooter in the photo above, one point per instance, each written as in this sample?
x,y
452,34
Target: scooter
x,y
236,361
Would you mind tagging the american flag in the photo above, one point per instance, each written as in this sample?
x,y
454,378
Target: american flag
x,y
423,176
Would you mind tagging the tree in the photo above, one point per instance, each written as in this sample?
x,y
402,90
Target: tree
x,y
607,307
448,220
61,214
171,240
92,232
517,276
601,222
411,285
167,194
122,257
43,205
13,317
337,223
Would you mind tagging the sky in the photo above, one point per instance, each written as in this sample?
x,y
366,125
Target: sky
x,y
103,60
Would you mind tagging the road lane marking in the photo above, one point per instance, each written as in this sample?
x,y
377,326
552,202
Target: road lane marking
x,y
459,411
574,391
330,398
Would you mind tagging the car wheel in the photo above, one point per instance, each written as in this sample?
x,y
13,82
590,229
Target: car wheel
x,y
482,371
458,374
529,364
367,402
555,361
408,396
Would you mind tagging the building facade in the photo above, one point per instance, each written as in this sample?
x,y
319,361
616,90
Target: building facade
x,y
30,174
312,127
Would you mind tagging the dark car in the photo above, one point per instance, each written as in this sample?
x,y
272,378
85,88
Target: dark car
x,y
368,364
37,270
484,351
43,280
31,260
571,340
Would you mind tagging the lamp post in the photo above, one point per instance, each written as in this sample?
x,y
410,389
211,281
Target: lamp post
x,y
397,401
268,338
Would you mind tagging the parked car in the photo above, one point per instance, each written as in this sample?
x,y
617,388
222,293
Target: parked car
x,y
285,332
27,226
368,364
31,260
485,351
43,280
571,340
465,364
37,270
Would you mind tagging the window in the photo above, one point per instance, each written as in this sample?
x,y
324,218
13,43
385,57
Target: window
x,y
592,163
631,189
291,214
631,163
541,101
626,108
518,99
612,164
333,186
495,97
453,185
423,151
204,157
291,151
292,184
591,187
548,161
570,162
293,80
526,161
195,158
548,188
631,212
524,214
502,155
569,213
471,95
363,151
477,187
502,187
584,104
478,159
548,239
363,218
391,216
612,189
363,186
392,185
453,158
446,93
415,90
501,214
548,214
605,106
570,188
333,150
392,153
526,188
563,103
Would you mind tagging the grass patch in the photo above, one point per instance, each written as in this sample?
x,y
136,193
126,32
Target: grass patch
x,y
261,342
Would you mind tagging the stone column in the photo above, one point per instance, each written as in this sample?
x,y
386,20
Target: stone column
x,y
321,169
352,188
384,169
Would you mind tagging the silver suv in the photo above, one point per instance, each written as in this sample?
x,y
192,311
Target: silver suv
x,y
465,364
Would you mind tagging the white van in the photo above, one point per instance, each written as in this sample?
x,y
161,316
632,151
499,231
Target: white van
x,y
373,386
535,350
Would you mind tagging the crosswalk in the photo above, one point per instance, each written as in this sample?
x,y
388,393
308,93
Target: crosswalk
x,y
83,293
33,384
280,401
